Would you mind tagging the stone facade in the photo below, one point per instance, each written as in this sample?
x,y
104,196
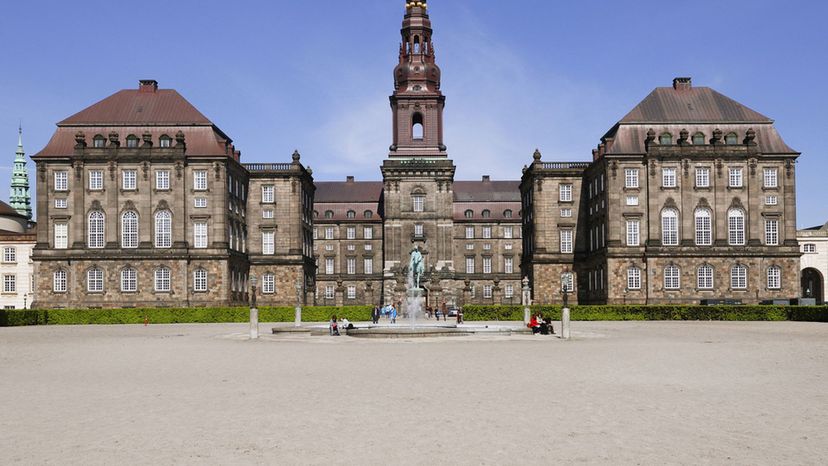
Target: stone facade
x,y
814,263
17,239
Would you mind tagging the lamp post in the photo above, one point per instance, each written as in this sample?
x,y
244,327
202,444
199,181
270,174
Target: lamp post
x,y
297,322
565,310
254,312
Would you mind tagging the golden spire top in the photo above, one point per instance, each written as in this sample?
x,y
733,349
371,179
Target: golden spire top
x,y
409,4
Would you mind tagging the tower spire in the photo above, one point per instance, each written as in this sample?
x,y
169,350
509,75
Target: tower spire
x,y
19,197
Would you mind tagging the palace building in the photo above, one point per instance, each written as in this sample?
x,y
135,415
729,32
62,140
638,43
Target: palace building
x,y
143,201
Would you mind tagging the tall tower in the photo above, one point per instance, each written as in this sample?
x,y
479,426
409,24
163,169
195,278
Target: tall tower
x,y
418,198
19,197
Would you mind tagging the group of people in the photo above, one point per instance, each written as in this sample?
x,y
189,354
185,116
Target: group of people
x,y
389,310
541,325
334,324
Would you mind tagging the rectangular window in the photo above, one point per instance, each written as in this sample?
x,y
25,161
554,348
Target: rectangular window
x,y
566,241
62,181
329,266
704,277
268,243
162,180
487,246
267,213
469,232
771,180
470,265
738,277
200,235
9,255
566,193
329,247
704,228
568,282
487,232
368,233
418,230
94,281
9,284
633,278
809,248
59,281
61,235
633,233
268,195
774,278
508,265
369,247
95,180
419,203
672,278
632,200
268,283
129,180
566,213
702,177
507,232
61,203
329,292
201,203
771,200
772,232
631,178
469,246
350,233
507,246
350,266
487,291
351,247
329,233
509,292
200,180
735,179
368,266
487,265
668,177
351,292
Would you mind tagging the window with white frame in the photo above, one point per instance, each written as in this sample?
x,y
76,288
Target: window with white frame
x,y
9,255
368,265
163,229
329,266
200,235
350,233
738,277
61,180
129,280
565,193
566,241
162,280
735,179
61,235
672,278
329,233
470,265
268,242
507,232
351,292
704,277
94,280
487,232
350,266
774,277
508,265
736,227
509,291
469,246
267,213
469,232
566,213
633,232
9,283
507,246
96,230
200,281
772,232
200,203
351,247
633,278
770,178
418,202
329,247
268,283
809,248
704,228
329,292
487,292
95,180
702,177
632,201
61,203
368,232
369,247
129,230
771,199
568,282
487,265
487,246
162,180
631,178
200,180
59,281
669,227
129,180
668,177
268,194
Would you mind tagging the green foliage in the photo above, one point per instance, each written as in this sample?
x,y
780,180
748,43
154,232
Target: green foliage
x,y
808,313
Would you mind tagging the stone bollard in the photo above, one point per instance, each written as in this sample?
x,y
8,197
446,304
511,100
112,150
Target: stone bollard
x,y
565,323
297,320
526,317
254,323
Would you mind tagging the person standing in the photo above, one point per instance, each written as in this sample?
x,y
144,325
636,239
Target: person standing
x,y
393,313
375,315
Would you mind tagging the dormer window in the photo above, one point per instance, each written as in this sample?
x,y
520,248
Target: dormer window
x,y
99,142
351,214
468,214
329,214
665,139
368,214
731,139
132,141
165,141
486,213
698,139
507,213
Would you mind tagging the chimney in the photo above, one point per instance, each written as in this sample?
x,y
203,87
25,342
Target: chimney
x,y
349,179
486,178
682,84
147,85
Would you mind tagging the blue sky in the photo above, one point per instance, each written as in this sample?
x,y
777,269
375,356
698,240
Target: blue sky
x,y
315,75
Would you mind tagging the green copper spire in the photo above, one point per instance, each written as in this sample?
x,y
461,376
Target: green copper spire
x,y
19,198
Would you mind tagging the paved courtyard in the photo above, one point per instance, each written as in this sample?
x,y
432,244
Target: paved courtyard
x,y
619,393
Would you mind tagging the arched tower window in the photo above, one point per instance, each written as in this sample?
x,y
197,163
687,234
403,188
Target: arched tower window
x,y
417,131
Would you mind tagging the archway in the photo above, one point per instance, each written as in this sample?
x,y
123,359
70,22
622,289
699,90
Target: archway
x,y
812,285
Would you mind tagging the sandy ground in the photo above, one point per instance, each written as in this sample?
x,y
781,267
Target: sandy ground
x,y
619,393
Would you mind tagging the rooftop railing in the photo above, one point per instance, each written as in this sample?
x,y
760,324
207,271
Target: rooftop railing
x,y
267,167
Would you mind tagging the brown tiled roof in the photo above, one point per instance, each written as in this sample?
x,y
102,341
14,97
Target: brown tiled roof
x,y
496,211
138,108
487,191
693,105
348,191
200,140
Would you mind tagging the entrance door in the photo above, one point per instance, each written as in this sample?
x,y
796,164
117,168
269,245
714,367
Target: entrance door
x,y
812,285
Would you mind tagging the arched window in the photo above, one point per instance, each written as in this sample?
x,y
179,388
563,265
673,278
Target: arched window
x,y
129,229
699,139
329,214
368,214
132,141
738,277
165,141
418,202
99,141
704,277
486,213
162,280
416,44
468,214
672,278
59,281
163,229
633,278
351,214
417,127
731,139
704,229
94,280
507,213
669,227
95,230
129,280
774,277
200,280
665,139
736,227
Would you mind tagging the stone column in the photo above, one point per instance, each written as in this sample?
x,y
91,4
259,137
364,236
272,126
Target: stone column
x,y
526,300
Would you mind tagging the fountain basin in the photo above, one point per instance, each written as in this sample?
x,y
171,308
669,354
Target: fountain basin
x,y
408,332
